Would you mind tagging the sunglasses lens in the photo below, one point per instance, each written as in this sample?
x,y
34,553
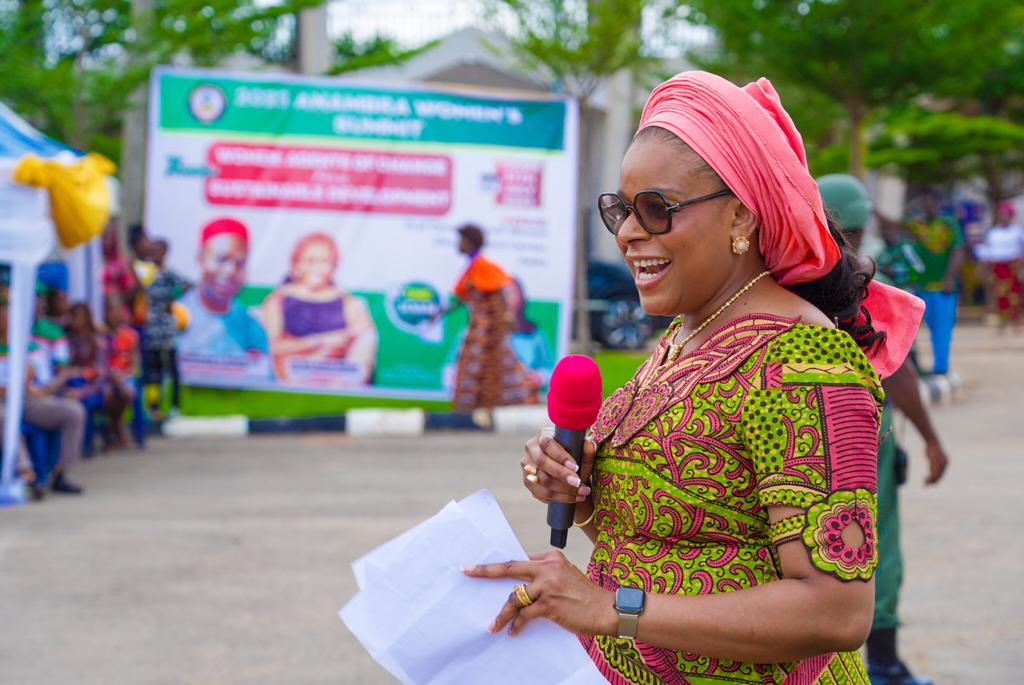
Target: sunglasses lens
x,y
613,211
653,211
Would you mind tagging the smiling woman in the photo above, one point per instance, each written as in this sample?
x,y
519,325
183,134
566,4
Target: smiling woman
x,y
729,486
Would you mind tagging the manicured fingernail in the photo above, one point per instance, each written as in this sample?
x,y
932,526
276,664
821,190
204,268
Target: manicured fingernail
x,y
570,464
468,569
530,468
574,481
584,490
533,478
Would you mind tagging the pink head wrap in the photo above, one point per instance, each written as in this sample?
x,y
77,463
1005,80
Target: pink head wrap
x,y
746,136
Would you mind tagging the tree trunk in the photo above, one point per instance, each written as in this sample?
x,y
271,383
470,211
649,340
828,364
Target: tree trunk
x,y
993,175
132,171
582,314
858,147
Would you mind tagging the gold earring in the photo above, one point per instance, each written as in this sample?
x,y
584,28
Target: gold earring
x,y
740,244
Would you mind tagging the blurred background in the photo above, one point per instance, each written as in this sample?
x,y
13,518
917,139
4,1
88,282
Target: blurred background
x,y
232,484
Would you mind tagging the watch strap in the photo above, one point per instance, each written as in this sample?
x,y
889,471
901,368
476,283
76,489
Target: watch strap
x,y
628,624
630,604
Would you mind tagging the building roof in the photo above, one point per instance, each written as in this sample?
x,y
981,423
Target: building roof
x,y
469,56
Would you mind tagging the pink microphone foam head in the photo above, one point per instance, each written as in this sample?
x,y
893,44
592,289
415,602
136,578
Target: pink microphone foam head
x,y
574,395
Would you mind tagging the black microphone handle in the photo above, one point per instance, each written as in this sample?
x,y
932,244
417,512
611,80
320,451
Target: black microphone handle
x,y
560,514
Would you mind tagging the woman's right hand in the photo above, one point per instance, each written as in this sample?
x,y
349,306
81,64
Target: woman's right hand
x,y
549,472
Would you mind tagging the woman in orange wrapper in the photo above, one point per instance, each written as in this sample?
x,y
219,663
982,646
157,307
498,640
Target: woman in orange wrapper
x,y
488,373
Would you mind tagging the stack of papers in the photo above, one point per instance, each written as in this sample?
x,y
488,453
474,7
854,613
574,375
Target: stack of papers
x,y
426,622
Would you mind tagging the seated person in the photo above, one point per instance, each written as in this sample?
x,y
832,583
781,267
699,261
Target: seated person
x,y
85,379
45,333
44,409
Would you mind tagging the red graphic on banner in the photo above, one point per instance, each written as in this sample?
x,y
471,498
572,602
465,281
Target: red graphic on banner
x,y
329,178
519,183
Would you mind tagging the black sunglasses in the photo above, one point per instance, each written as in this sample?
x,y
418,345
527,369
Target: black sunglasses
x,y
650,207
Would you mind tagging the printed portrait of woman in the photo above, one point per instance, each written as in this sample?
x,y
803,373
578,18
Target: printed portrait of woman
x,y
314,325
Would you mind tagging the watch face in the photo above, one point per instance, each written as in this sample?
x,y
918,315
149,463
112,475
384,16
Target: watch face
x,y
629,600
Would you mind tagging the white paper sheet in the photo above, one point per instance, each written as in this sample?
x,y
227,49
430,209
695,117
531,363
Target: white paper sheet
x,y
424,621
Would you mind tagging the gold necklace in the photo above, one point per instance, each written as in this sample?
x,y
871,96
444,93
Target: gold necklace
x,y
676,348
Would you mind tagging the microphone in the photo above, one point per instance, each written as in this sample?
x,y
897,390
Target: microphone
x,y
574,398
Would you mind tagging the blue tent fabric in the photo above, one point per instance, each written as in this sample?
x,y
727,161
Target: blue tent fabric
x,y
18,138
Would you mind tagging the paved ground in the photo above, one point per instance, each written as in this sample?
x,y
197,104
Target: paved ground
x,y
222,562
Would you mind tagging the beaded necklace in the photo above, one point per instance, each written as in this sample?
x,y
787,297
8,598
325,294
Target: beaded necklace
x,y
676,348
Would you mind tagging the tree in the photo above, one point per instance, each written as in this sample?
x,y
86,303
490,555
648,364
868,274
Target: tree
x,y
984,115
935,147
577,45
72,66
862,56
378,51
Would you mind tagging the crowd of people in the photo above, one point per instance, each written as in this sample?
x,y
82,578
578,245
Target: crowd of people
x,y
92,380
932,253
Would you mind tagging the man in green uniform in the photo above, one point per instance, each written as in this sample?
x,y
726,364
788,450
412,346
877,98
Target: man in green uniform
x,y
850,205
938,242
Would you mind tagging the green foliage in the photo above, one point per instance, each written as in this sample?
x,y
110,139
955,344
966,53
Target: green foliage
x,y
872,52
577,44
865,56
71,66
822,124
932,146
378,51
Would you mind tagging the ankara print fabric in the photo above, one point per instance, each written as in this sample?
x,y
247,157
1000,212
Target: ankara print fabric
x,y
766,412
488,374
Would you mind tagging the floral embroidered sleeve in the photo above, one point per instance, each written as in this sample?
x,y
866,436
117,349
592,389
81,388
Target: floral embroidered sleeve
x,y
811,428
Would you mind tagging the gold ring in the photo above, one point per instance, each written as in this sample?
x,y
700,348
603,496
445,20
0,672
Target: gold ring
x,y
533,477
522,595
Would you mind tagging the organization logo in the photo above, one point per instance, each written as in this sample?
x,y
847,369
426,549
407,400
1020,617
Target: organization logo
x,y
413,307
207,103
515,183
414,303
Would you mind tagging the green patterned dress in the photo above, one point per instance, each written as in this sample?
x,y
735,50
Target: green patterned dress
x,y
766,411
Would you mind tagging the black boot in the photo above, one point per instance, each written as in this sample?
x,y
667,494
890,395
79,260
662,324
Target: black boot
x,y
63,485
36,490
884,665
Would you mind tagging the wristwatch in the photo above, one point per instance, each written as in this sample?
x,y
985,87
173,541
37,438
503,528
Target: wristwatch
x,y
629,602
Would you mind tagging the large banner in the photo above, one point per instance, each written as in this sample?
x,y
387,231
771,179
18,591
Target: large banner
x,y
316,219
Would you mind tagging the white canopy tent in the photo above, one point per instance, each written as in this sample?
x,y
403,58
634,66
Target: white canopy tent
x,y
27,237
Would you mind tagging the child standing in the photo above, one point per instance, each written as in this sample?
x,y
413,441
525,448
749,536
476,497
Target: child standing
x,y
124,364
159,341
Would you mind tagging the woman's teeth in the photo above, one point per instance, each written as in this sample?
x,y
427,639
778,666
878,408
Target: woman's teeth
x,y
647,269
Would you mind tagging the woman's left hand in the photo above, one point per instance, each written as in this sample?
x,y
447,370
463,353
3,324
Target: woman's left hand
x,y
559,592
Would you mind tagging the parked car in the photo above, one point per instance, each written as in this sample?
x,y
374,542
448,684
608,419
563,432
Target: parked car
x,y
616,318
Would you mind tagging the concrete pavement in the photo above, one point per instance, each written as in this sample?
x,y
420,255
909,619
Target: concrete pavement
x,y
224,561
